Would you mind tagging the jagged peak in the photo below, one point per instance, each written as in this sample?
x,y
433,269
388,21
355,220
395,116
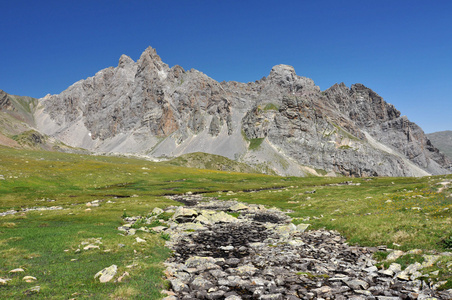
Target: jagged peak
x,y
282,70
124,61
150,53
359,86
150,58
337,88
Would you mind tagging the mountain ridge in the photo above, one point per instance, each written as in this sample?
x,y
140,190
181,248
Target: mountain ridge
x,y
146,107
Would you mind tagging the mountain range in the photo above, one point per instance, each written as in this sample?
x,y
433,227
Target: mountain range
x,y
282,123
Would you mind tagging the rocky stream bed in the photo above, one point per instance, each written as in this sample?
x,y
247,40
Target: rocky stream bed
x,y
229,250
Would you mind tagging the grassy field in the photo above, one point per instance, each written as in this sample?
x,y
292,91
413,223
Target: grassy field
x,y
404,213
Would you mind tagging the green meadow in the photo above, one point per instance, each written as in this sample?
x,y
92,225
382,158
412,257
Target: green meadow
x,y
402,213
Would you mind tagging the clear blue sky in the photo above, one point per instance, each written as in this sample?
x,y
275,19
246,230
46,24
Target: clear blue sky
x,y
400,49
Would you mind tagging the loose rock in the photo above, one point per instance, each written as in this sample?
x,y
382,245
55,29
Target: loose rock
x,y
262,256
106,274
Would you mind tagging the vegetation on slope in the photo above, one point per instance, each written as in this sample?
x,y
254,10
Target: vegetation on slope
x,y
208,161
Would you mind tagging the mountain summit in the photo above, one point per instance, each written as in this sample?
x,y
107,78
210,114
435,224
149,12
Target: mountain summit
x,y
282,123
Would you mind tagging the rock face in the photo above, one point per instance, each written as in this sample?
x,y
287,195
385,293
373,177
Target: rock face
x,y
282,122
443,141
19,107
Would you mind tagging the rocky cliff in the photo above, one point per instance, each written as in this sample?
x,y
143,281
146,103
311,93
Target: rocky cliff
x,y
282,123
443,141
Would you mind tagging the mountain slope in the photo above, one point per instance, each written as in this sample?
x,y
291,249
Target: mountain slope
x,y
443,141
18,128
282,122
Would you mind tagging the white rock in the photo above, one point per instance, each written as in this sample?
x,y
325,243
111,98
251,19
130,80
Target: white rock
x,y
238,206
302,227
106,274
4,281
226,248
394,255
429,260
157,211
90,247
296,243
17,270
140,240
395,268
29,279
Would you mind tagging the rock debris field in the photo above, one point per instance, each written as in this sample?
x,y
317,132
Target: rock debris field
x,y
229,250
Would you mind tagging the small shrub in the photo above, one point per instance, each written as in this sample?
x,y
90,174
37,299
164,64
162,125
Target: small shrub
x,y
406,260
271,106
381,255
166,216
156,223
446,286
8,225
447,242
255,143
345,147
311,275
234,214
139,223
165,236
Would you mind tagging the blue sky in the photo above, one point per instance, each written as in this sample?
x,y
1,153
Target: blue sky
x,y
400,49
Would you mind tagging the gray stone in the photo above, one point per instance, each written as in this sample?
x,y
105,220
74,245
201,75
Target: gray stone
x,y
201,262
302,227
272,297
199,283
178,285
357,284
246,270
157,211
371,269
184,215
238,207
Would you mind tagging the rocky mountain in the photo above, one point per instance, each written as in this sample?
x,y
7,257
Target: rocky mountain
x,y
443,141
16,121
281,123
18,127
